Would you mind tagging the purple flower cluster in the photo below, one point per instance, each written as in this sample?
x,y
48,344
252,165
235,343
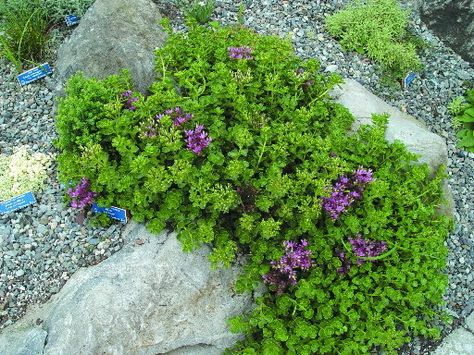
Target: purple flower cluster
x,y
81,195
240,52
346,263
284,270
363,248
345,191
197,139
178,115
149,129
130,100
367,248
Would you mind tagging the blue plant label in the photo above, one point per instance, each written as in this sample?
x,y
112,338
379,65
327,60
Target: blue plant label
x,y
34,74
17,203
71,20
113,212
408,80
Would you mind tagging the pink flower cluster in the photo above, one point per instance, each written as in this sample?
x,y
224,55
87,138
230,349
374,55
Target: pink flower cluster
x,y
197,139
82,195
130,100
284,271
240,52
363,248
345,191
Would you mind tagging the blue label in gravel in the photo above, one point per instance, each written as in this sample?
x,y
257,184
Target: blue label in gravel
x,y
71,20
34,74
17,203
408,80
113,212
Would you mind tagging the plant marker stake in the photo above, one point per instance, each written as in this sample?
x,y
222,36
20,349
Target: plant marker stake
x,y
113,212
17,203
71,20
34,74
408,80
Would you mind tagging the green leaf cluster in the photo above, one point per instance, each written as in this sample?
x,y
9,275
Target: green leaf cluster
x,y
377,28
197,10
278,143
462,108
23,32
25,27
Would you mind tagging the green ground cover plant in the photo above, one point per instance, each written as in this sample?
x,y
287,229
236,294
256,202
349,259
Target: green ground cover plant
x,y
23,32
377,28
240,146
25,27
462,109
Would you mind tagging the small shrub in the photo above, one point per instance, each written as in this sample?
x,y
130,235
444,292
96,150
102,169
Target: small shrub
x,y
199,10
462,108
58,9
377,28
240,146
23,32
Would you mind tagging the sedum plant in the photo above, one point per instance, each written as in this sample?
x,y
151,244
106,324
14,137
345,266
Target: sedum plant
x,y
377,28
240,146
22,172
462,109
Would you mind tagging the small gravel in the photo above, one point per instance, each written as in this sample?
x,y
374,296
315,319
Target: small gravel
x,y
41,246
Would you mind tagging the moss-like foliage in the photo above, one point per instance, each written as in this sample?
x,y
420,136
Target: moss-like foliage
x,y
237,146
377,28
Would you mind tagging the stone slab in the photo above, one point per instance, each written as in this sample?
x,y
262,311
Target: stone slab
x,y
430,147
470,322
148,298
29,341
459,342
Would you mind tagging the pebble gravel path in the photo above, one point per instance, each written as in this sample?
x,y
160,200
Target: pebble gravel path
x,y
41,245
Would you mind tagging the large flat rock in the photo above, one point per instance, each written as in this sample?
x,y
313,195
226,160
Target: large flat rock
x,y
430,147
146,299
459,342
419,140
114,35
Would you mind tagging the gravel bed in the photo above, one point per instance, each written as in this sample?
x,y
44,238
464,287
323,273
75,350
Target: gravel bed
x,y
41,246
445,76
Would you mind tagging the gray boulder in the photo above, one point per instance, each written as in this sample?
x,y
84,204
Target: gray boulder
x,y
148,298
430,147
28,341
114,35
453,23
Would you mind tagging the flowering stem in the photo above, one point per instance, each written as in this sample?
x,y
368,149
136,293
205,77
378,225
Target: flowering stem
x,y
379,257
261,153
163,68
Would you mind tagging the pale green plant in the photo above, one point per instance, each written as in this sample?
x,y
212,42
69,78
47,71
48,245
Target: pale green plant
x,y
22,172
377,28
199,10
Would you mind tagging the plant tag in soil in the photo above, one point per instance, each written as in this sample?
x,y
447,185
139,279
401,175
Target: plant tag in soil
x,y
34,74
408,80
71,20
113,212
17,203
